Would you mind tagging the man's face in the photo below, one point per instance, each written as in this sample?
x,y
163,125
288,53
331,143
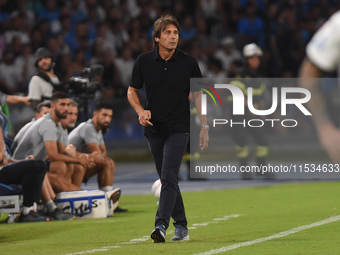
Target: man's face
x,y
45,63
42,112
169,38
72,116
254,62
104,117
61,107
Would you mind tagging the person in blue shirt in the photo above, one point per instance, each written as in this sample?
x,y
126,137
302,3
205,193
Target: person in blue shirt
x,y
252,27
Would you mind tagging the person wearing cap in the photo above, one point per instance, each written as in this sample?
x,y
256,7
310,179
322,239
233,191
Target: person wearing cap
x,y
245,78
227,54
42,84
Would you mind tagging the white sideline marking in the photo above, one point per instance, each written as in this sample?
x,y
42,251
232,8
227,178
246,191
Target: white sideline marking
x,y
106,248
137,240
229,216
203,224
145,238
215,220
282,234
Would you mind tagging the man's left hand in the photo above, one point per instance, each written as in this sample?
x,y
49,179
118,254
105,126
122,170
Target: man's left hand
x,y
204,139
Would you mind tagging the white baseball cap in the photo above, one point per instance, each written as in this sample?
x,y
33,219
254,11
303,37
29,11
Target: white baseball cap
x,y
252,50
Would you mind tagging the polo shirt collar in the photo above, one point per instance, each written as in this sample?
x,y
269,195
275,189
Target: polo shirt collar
x,y
49,116
91,122
156,55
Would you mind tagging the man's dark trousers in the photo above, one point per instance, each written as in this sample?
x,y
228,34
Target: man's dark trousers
x,y
168,151
30,174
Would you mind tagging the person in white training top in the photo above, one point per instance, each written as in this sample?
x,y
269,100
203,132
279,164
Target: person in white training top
x,y
323,56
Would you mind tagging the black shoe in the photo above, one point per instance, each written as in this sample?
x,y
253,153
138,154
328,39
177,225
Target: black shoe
x,y
33,216
119,209
158,234
58,214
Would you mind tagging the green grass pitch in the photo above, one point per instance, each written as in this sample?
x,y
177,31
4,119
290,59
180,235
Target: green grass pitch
x,y
264,211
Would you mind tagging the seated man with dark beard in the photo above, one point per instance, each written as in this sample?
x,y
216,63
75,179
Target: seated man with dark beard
x,y
88,138
43,141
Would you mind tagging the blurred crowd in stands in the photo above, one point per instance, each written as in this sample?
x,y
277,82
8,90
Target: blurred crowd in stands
x,y
113,33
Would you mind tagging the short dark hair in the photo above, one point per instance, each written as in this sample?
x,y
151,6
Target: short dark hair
x,y
59,95
102,105
160,25
43,104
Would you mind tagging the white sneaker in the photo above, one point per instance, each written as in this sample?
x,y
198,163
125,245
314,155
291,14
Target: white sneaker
x,y
114,195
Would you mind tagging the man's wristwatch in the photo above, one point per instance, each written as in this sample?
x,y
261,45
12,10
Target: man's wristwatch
x,y
205,126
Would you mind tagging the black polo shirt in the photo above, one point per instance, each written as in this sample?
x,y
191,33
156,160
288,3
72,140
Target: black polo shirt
x,y
167,87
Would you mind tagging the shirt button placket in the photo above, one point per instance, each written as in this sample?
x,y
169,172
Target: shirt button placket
x,y
165,65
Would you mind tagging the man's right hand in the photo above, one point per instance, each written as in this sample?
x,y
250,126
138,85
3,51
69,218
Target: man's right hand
x,y
90,163
329,137
26,100
83,160
98,159
144,118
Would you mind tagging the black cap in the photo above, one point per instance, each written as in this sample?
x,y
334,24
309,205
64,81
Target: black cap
x,y
41,53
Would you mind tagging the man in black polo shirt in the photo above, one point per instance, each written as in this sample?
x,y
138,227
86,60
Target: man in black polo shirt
x,y
166,74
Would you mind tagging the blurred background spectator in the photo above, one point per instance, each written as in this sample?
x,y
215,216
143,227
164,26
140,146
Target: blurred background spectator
x,y
227,53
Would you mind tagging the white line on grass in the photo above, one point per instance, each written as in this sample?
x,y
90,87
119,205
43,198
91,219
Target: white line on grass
x,y
229,216
282,234
137,240
106,248
195,225
145,238
203,224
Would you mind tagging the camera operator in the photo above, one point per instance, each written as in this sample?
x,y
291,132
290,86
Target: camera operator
x,y
84,87
42,84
